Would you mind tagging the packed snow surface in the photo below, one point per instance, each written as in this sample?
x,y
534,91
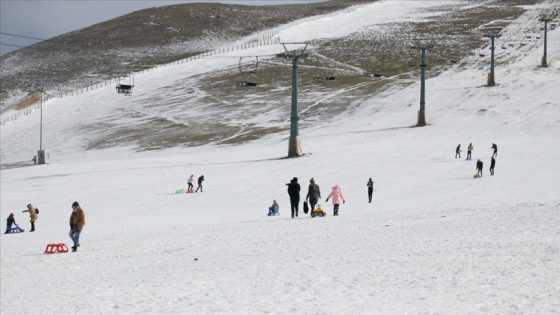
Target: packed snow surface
x,y
433,241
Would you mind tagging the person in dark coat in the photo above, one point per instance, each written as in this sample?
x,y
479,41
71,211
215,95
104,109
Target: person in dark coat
x,y
313,194
370,189
458,151
479,167
492,164
200,180
293,191
77,222
12,221
495,147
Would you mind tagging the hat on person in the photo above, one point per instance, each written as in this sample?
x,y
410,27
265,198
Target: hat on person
x,y
11,214
75,204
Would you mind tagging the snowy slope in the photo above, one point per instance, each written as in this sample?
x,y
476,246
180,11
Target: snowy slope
x,y
434,241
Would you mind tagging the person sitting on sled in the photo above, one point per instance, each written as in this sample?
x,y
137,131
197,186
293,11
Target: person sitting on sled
x,y
12,221
273,210
318,212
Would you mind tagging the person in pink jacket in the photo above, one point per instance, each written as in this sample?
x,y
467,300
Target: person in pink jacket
x,y
336,195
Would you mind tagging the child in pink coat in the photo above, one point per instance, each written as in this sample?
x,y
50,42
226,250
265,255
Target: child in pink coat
x,y
336,195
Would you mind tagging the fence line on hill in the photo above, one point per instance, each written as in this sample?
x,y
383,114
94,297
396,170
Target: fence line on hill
x,y
262,39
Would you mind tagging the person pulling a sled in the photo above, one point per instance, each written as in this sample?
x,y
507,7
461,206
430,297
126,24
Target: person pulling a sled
x,y
12,221
189,183
336,195
273,210
479,165
313,193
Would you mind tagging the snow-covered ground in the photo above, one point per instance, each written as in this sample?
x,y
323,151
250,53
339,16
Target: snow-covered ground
x,y
433,241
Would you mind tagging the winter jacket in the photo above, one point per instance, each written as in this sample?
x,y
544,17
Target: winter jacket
x,y
200,180
370,183
32,212
293,189
313,192
470,147
458,149
190,179
275,206
10,221
479,164
78,219
336,195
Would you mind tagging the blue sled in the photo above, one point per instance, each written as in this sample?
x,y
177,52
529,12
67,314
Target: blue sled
x,y
16,229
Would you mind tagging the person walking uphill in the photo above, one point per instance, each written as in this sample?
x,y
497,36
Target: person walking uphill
x,y
370,189
200,180
313,194
77,222
293,191
336,195
33,215
458,151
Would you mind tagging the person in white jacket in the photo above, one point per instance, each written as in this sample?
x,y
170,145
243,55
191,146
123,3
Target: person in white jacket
x,y
189,183
336,195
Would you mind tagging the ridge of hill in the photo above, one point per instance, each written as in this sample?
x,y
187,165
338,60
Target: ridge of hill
x,y
142,40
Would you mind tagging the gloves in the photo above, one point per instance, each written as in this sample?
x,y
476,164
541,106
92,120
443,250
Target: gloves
x,y
72,227
327,200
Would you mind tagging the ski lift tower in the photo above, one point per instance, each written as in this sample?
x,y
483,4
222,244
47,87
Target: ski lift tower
x,y
492,33
41,154
294,147
544,61
423,45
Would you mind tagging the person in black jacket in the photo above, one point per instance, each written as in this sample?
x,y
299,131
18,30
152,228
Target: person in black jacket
x,y
200,180
370,189
458,151
479,167
293,191
492,164
313,194
12,221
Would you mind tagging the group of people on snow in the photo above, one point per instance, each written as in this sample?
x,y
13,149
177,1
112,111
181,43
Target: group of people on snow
x,y
479,163
77,222
313,196
190,183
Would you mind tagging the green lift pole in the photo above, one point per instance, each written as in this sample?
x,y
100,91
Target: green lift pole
x,y
422,120
294,146
492,34
544,61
